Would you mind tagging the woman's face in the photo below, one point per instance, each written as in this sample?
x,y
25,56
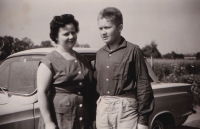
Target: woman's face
x,y
67,36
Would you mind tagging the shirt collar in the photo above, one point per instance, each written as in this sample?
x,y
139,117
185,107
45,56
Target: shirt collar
x,y
121,45
58,55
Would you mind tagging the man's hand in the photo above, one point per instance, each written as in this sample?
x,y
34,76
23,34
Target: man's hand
x,y
50,125
139,126
93,125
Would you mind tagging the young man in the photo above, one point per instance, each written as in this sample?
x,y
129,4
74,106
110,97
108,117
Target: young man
x,y
126,97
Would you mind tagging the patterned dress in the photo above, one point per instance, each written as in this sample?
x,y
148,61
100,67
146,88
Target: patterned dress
x,y
68,93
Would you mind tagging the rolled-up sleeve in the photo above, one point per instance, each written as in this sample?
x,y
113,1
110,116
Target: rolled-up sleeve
x,y
144,90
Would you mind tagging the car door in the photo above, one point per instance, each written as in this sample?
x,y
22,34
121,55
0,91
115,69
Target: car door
x,y
18,92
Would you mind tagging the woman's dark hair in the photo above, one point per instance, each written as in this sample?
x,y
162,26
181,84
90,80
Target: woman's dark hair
x,y
61,21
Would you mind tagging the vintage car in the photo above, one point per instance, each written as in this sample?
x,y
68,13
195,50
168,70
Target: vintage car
x,y
18,93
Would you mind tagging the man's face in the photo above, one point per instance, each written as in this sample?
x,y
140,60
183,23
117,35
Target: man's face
x,y
109,32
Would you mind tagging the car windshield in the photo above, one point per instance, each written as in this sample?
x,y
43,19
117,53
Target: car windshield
x,y
151,73
18,74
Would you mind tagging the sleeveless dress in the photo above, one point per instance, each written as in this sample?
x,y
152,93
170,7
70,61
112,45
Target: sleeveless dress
x,y
68,93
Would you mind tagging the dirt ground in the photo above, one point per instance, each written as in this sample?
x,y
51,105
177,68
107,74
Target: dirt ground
x,y
193,121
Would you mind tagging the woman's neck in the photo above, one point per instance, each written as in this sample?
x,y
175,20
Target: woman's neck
x,y
64,50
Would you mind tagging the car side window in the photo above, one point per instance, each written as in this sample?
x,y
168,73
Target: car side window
x,y
4,77
18,74
89,56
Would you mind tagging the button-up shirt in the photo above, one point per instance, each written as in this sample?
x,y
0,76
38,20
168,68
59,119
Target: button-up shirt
x,y
123,70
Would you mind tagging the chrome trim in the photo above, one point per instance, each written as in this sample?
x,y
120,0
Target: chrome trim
x,y
160,85
26,54
186,114
5,92
25,95
168,94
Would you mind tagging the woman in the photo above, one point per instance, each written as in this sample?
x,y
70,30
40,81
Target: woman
x,y
63,78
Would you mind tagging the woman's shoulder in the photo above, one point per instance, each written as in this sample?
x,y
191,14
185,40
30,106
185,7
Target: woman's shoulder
x,y
51,55
49,58
82,58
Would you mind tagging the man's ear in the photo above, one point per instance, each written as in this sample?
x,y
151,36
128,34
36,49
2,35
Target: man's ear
x,y
120,27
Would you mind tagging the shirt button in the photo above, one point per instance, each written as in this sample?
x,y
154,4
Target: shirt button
x,y
80,83
80,118
79,72
107,66
109,54
79,92
75,61
107,79
108,92
81,105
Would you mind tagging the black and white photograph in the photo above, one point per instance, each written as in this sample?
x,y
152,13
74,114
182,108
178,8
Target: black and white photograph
x,y
97,64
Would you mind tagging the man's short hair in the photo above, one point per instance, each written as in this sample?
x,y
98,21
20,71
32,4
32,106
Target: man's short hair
x,y
113,14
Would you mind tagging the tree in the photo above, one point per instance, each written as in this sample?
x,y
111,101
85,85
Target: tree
x,y
150,50
6,46
10,45
180,56
29,42
82,45
198,56
167,56
173,55
43,44
46,43
20,45
1,45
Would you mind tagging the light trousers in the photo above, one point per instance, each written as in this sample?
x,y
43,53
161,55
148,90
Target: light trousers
x,y
115,112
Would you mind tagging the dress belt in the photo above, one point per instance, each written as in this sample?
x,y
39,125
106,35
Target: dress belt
x,y
64,91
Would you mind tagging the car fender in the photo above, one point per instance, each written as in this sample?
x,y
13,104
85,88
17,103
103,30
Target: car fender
x,y
159,114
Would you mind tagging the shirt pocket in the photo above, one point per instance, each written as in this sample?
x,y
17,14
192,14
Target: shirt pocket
x,y
120,71
63,113
63,107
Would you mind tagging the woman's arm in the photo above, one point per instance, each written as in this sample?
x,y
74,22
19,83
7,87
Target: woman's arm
x,y
44,77
139,126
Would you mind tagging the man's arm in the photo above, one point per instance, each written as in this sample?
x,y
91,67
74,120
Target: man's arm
x,y
144,90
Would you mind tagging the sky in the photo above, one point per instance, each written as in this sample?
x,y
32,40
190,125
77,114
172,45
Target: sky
x,y
173,24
